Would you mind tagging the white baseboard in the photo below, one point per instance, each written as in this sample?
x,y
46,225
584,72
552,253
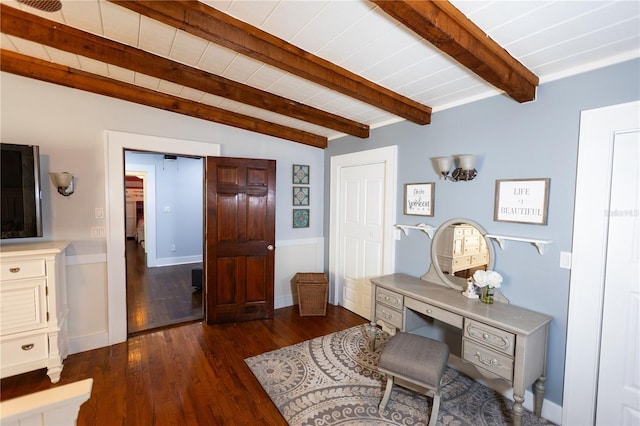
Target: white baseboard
x,y
172,261
87,343
283,301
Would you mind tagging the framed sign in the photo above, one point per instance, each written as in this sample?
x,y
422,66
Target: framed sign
x,y
521,201
418,199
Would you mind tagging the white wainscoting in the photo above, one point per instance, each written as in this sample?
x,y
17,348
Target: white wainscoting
x,y
86,294
292,256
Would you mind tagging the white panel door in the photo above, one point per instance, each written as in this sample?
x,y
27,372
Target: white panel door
x,y
361,233
601,361
619,377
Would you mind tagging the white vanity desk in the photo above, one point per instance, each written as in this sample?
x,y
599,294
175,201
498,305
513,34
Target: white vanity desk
x,y
500,339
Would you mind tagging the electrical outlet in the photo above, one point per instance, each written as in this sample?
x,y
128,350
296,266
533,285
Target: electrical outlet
x,y
99,213
173,247
167,209
565,259
97,231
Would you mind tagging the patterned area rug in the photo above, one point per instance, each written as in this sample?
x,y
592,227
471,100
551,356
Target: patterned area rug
x,y
333,380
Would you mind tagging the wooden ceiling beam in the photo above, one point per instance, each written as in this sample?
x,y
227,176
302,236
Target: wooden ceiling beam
x,y
203,21
26,66
40,30
448,29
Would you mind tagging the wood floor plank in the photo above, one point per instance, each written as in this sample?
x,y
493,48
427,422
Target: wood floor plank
x,y
192,374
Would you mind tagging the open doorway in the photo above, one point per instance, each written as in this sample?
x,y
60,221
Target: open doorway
x,y
164,239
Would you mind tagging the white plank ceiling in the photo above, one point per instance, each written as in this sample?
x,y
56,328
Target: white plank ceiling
x,y
553,39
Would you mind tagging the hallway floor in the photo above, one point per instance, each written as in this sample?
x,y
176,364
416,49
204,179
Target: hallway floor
x,y
158,297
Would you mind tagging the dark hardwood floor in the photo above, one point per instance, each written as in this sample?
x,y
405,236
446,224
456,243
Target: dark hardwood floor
x,y
158,297
192,374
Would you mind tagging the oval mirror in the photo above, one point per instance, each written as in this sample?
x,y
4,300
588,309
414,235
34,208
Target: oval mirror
x,y
458,249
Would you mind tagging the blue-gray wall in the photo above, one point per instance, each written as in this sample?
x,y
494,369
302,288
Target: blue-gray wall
x,y
534,140
179,186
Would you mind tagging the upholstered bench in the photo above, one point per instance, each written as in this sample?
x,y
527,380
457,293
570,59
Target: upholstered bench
x,y
415,359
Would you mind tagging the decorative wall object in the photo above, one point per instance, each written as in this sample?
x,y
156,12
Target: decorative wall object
x,y
300,174
521,201
300,218
300,195
418,199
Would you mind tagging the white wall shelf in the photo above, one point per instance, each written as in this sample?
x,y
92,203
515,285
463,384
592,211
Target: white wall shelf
x,y
539,244
427,229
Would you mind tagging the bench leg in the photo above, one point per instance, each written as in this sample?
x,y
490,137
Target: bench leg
x,y
435,408
387,393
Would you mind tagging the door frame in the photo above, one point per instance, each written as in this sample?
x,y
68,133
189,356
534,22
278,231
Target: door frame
x,y
115,145
586,285
388,156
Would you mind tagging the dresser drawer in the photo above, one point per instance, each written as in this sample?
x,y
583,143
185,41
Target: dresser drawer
x,y
479,259
435,312
490,336
24,349
388,315
19,269
487,359
389,298
24,306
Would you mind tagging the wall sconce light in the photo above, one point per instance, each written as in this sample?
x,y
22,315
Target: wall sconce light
x,y
63,181
464,171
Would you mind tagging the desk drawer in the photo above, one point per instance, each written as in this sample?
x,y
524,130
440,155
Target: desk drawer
x,y
388,315
487,359
435,312
19,269
490,336
389,298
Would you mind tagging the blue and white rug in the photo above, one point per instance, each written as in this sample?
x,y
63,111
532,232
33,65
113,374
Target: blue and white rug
x,y
334,380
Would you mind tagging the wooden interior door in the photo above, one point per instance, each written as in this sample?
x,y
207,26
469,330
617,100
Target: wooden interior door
x,y
240,239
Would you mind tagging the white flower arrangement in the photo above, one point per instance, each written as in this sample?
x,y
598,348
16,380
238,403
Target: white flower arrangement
x,y
490,279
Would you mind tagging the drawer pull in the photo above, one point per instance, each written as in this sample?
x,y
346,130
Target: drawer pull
x,y
429,311
14,270
485,336
27,347
486,361
388,316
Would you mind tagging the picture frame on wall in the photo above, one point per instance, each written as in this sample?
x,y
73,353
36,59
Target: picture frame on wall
x,y
300,174
300,218
418,199
301,195
521,201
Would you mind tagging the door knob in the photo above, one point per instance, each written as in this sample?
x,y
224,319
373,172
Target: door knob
x,y
270,247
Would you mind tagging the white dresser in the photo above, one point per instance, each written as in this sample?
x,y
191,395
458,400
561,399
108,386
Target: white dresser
x,y
33,308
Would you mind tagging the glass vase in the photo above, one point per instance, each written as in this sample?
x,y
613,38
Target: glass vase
x,y
487,295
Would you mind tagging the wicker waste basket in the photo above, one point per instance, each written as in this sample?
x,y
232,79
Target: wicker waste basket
x,y
312,293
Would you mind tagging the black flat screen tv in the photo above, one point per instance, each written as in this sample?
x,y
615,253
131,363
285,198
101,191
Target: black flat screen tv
x,y
20,194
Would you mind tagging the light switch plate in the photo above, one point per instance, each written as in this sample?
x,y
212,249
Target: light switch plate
x,y
565,259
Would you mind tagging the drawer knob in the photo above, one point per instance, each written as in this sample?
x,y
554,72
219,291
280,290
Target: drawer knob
x,y
27,347
485,335
14,270
429,311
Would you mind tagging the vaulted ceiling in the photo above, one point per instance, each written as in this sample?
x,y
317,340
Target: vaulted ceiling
x,y
312,71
